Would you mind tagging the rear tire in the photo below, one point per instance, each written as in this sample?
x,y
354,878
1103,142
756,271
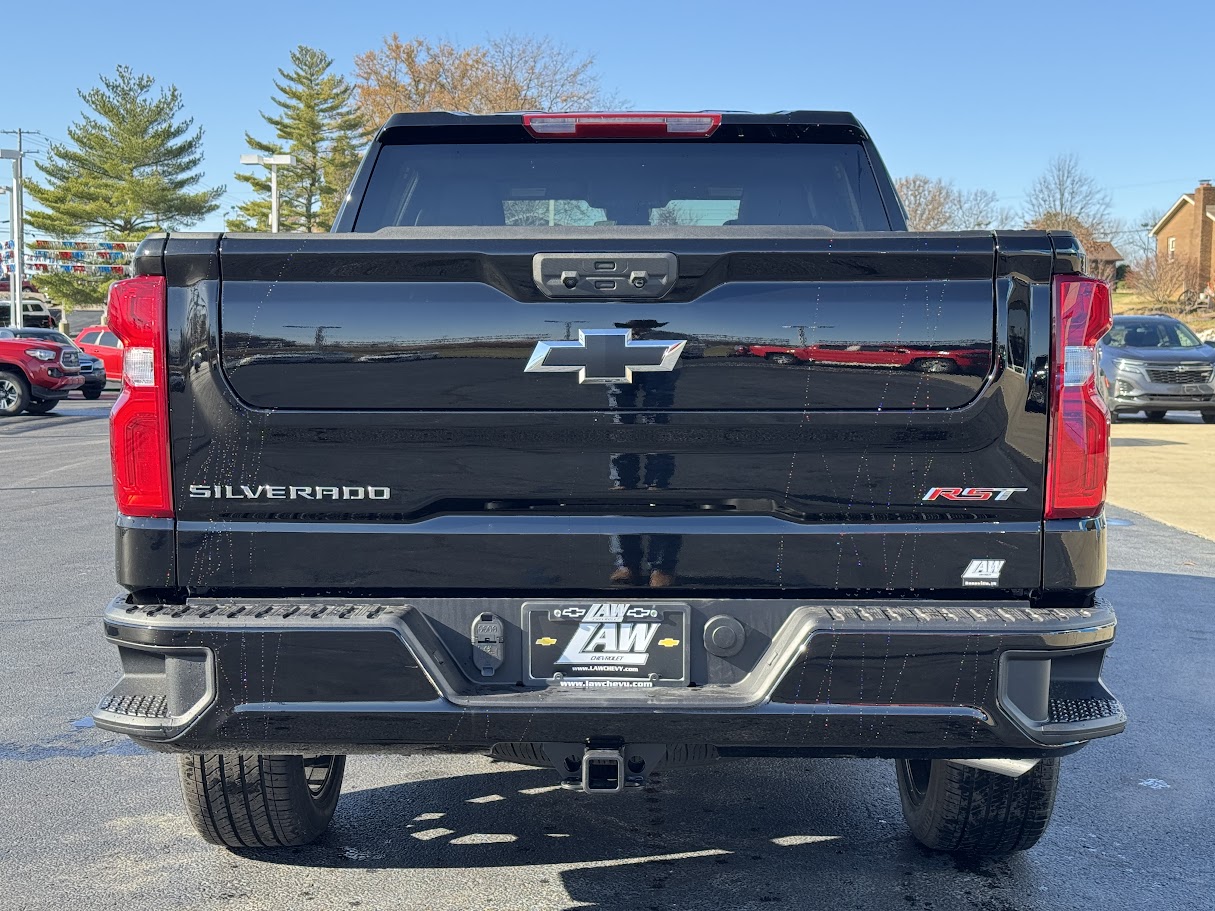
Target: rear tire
x,y
251,801
1155,416
936,365
42,406
14,394
92,394
785,360
956,808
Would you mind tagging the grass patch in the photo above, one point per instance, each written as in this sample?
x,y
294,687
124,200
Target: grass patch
x,y
1128,302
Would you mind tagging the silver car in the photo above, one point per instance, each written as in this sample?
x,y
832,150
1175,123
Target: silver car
x,y
1156,364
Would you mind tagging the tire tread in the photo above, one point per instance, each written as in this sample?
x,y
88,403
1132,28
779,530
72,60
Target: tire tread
x,y
971,811
256,801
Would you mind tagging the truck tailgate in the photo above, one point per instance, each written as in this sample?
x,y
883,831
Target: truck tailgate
x,y
353,412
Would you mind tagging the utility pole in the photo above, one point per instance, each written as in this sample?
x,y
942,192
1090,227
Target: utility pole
x,y
568,323
801,331
272,162
319,337
16,312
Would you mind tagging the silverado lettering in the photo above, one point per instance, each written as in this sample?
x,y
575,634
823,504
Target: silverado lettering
x,y
272,492
710,538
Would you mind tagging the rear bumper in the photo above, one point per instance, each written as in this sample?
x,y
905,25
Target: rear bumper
x,y
911,678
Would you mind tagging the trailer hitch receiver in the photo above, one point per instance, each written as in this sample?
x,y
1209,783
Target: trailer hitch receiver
x,y
603,772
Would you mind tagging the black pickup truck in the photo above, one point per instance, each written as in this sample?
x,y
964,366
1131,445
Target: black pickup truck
x,y
478,471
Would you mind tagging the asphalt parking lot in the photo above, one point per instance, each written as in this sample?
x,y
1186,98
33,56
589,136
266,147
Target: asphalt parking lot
x,y
92,822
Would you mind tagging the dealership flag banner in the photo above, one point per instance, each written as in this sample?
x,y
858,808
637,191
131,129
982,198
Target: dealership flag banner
x,y
86,257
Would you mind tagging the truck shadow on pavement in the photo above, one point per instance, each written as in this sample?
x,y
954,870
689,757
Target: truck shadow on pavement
x,y
732,835
30,423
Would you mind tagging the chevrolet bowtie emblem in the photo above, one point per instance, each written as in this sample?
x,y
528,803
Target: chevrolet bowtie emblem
x,y
605,356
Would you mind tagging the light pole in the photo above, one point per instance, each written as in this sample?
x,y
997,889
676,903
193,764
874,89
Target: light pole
x,y
6,191
16,316
272,162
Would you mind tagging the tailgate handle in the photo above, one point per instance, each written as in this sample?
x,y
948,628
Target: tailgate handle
x,y
595,276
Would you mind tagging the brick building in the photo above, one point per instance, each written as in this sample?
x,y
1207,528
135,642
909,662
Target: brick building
x,y
1185,237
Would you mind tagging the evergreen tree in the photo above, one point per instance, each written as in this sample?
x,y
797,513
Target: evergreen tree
x,y
129,169
337,172
317,124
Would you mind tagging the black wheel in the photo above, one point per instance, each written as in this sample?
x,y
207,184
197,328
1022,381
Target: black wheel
x,y
252,801
1155,416
936,365
92,394
951,807
14,394
41,406
783,359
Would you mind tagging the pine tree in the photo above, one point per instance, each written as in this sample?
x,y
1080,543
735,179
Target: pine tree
x,y
317,124
129,169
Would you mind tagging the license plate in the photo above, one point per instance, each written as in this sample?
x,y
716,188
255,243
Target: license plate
x,y
606,644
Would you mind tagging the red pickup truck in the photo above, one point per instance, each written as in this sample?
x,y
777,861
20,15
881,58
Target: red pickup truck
x,y
929,360
35,375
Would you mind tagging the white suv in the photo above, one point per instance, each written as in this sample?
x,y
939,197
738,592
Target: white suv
x,y
36,313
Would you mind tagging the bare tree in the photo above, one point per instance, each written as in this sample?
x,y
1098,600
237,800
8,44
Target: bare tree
x,y
510,73
979,210
526,73
933,204
1160,280
1139,239
929,202
1065,198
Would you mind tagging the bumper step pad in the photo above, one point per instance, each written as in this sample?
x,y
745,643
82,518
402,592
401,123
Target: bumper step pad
x,y
137,706
1074,711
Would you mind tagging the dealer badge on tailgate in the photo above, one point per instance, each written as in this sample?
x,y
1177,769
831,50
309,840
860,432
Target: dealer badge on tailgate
x,y
607,644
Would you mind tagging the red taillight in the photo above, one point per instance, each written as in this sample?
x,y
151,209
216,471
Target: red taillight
x,y
1078,463
139,422
621,125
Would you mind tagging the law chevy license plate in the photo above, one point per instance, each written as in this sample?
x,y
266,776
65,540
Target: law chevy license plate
x,y
606,644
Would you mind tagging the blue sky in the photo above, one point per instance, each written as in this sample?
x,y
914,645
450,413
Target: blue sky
x,y
982,93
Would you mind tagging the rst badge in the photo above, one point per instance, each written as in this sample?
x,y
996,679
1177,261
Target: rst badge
x,y
603,644
971,494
